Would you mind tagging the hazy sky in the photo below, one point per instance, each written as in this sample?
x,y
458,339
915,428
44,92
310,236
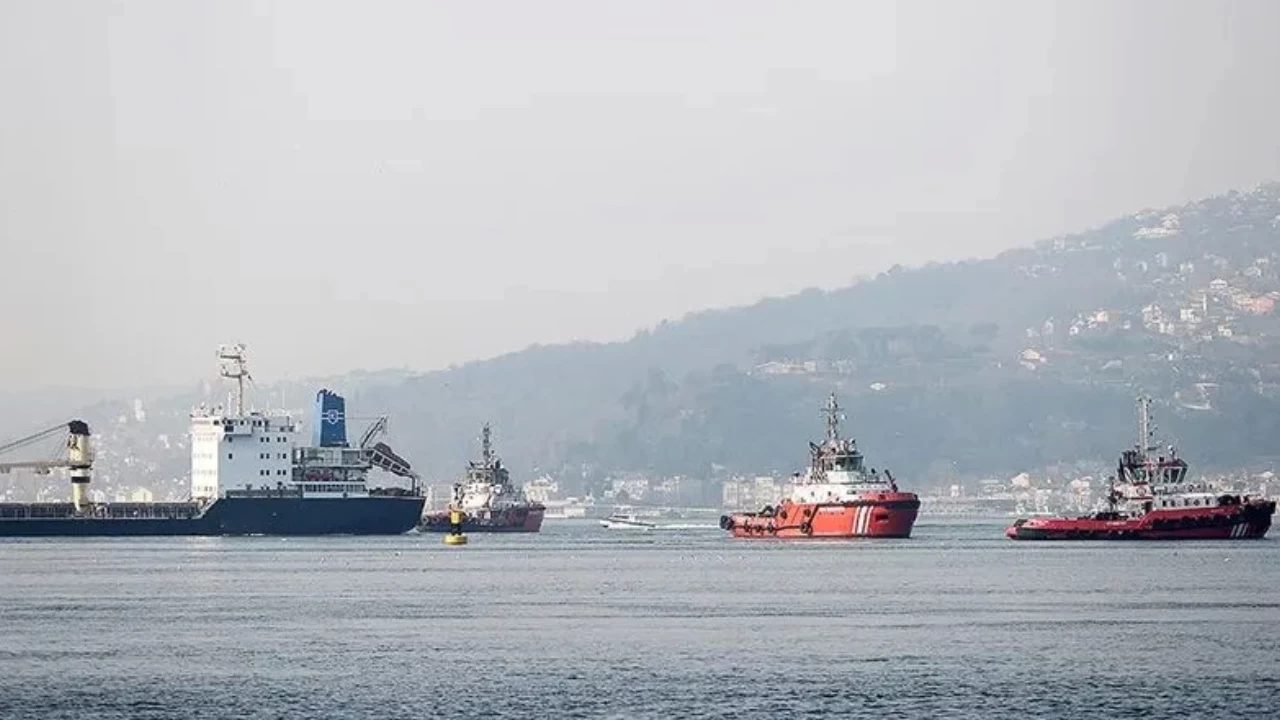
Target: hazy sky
x,y
375,184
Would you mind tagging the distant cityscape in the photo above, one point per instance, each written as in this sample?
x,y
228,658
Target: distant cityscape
x,y
1021,494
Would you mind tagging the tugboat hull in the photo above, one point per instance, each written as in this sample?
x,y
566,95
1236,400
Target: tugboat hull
x,y
889,515
1240,522
518,520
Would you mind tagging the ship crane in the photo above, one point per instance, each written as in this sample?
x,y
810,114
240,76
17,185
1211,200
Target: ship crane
x,y
78,460
382,456
378,427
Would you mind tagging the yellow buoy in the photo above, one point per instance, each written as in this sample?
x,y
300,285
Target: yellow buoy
x,y
455,536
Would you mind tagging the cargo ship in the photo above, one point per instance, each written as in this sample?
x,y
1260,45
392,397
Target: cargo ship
x,y
1151,498
837,497
487,499
248,477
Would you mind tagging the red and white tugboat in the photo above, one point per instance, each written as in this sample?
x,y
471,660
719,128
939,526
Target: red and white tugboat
x,y
836,498
1151,499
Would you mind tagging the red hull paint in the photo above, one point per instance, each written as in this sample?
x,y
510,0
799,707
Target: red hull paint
x,y
879,515
1248,521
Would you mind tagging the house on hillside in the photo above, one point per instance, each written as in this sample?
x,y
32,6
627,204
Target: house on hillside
x,y
781,367
1151,316
1261,305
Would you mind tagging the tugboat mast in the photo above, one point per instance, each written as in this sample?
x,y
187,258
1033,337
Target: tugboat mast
x,y
834,416
486,448
1145,429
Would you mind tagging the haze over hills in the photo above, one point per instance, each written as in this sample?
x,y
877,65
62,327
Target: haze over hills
x,y
1021,362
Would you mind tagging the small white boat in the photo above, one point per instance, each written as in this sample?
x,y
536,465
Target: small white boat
x,y
626,522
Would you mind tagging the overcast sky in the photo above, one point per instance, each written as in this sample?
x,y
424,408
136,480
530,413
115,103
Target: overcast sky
x,y
374,184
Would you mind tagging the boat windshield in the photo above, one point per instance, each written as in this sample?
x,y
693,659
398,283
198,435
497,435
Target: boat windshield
x,y
847,462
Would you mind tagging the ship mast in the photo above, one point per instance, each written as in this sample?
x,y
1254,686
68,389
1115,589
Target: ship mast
x,y
1145,429
234,366
486,448
832,411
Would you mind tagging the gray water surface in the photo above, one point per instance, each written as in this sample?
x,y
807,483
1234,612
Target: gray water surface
x,y
579,621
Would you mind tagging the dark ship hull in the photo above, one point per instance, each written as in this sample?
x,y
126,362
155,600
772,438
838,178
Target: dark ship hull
x,y
375,515
516,520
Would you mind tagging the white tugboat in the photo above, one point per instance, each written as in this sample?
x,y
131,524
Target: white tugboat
x,y
487,499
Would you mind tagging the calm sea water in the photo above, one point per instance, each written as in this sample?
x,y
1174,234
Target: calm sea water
x,y
583,622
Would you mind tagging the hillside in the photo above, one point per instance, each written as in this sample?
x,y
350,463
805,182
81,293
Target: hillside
x,y
1020,362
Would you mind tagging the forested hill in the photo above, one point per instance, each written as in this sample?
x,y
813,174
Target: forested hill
x,y
1017,362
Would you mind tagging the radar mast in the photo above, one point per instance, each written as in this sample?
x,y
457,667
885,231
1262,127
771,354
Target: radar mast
x,y
834,416
234,365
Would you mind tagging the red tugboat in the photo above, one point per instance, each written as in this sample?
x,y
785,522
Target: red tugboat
x,y
1151,499
487,499
836,498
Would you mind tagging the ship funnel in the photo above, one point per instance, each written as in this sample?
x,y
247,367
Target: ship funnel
x,y
330,427
79,461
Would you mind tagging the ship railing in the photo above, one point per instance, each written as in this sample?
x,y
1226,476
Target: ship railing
x,y
276,492
152,511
